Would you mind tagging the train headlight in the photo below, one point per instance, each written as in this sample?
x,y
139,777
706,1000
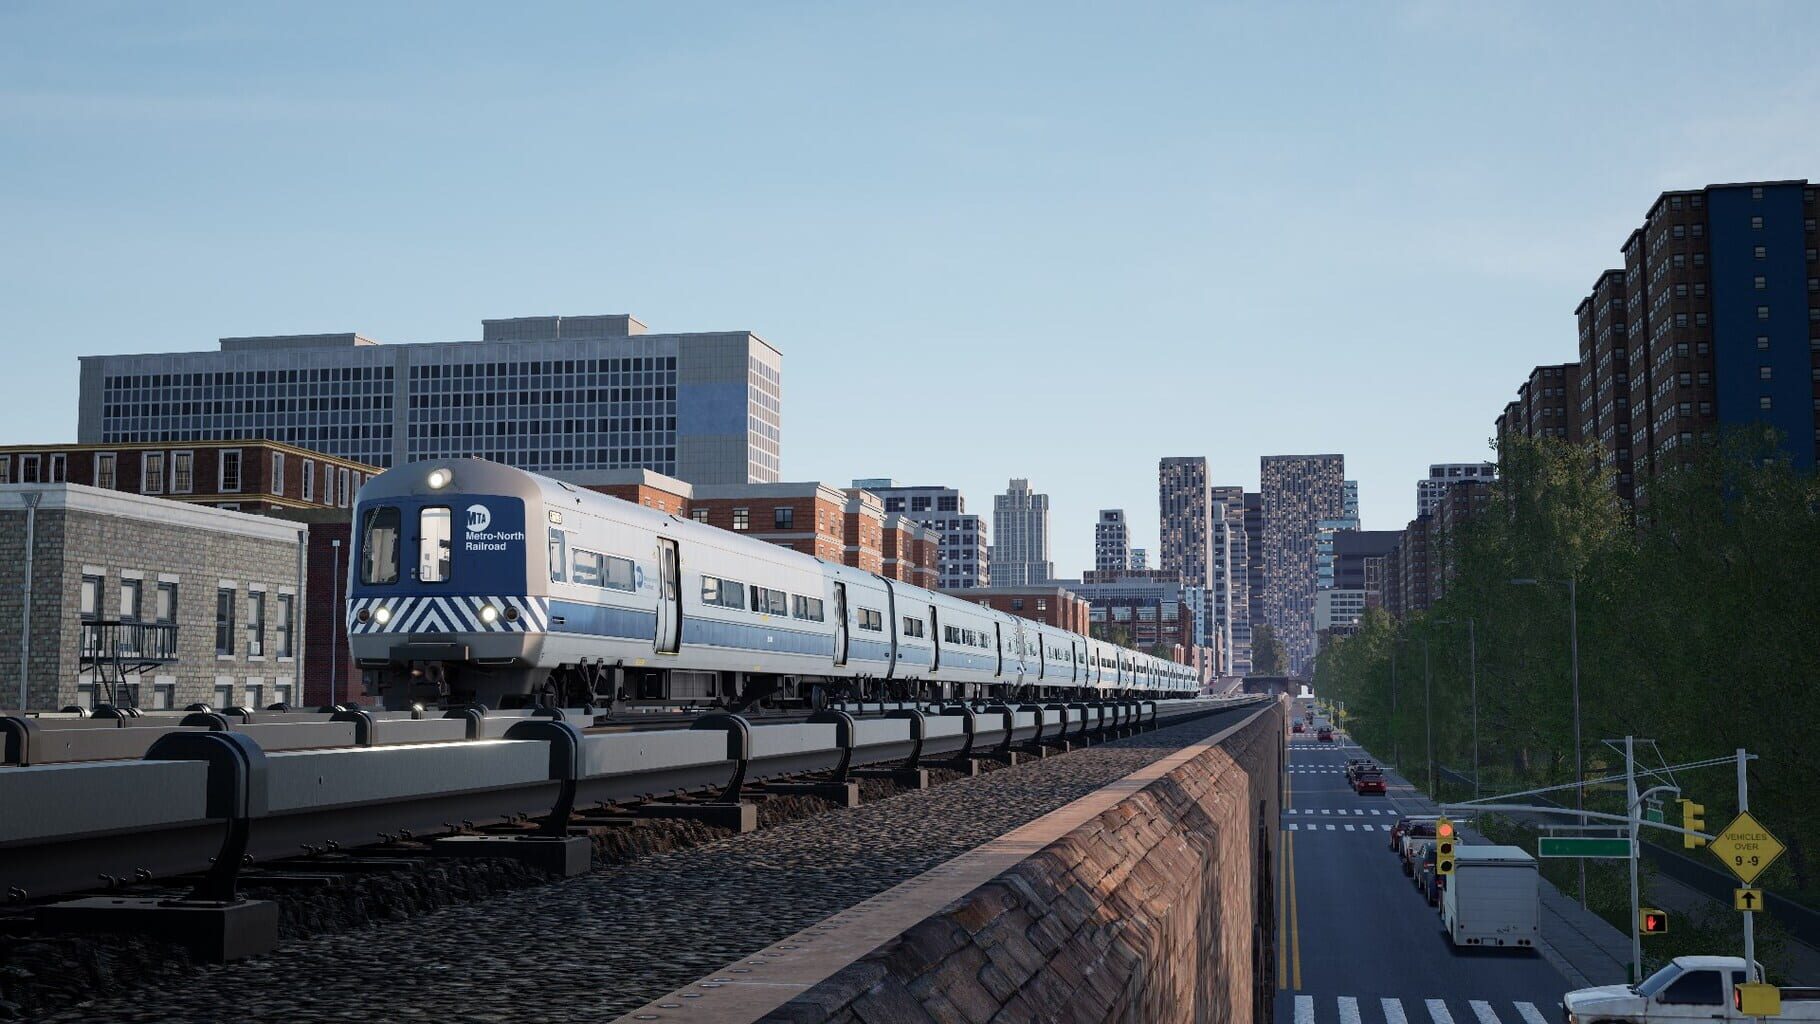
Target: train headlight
x,y
489,614
382,615
439,478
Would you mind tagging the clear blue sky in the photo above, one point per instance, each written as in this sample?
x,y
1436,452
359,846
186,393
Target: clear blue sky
x,y
1045,240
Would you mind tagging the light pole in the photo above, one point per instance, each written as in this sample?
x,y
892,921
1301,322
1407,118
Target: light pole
x,y
1428,712
1573,652
1472,667
337,624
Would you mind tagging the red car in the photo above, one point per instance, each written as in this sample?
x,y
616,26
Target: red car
x,y
1324,735
1298,728
1368,781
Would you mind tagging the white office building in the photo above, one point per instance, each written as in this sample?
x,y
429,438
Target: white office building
x,y
1020,531
1111,541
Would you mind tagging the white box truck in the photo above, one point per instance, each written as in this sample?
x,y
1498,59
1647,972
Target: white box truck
x,y
1491,898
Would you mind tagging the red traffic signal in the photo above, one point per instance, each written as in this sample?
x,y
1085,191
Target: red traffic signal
x,y
1444,830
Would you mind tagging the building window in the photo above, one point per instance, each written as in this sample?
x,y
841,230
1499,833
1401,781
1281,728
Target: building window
x,y
104,470
345,490
1763,312
224,693
57,474
255,624
1764,373
182,472
164,696
131,592
1017,604
255,693
1760,282
287,621
28,469
700,515
309,480
783,518
1756,222
151,473
277,473
1763,341
224,622
91,597
165,605
229,481
1763,403
742,519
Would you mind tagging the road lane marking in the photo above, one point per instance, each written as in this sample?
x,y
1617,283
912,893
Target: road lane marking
x,y
1349,827
1304,1010
1530,1014
1393,1011
1282,910
1482,1010
1349,1010
1330,828
1437,1009
1295,935
1326,810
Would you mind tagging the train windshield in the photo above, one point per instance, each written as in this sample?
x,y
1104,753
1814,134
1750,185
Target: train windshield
x,y
379,545
433,533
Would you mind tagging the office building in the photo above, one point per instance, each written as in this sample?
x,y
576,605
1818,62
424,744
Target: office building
x,y
1324,530
1254,560
1440,474
1020,530
1152,611
1238,576
1298,492
1184,502
146,602
1353,552
1140,559
1111,541
964,558
544,393
1337,612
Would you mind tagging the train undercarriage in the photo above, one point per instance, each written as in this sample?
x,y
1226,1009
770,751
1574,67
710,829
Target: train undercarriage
x,y
608,686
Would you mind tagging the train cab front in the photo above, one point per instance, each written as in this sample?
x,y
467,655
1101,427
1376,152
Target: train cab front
x,y
438,610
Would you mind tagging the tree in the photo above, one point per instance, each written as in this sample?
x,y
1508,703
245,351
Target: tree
x,y
1266,653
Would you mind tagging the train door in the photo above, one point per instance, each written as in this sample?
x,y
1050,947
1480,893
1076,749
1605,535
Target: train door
x,y
935,642
669,597
1042,654
892,621
998,634
840,623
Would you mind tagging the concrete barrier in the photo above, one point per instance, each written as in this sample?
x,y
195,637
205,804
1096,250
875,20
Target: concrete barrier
x,y
1158,908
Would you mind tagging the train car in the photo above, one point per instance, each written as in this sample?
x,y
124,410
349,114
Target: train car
x,y
472,582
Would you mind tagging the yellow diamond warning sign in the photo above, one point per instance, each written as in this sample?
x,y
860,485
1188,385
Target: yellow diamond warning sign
x,y
1746,847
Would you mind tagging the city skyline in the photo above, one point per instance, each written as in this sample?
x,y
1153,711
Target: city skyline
x,y
240,216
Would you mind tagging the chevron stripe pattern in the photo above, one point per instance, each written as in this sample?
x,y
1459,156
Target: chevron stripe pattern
x,y
448,614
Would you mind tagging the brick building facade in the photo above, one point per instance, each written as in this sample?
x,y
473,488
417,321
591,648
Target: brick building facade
x,y
247,475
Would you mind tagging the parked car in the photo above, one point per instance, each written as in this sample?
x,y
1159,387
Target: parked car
x,y
1689,988
1324,735
1357,763
1423,872
1368,780
1402,826
1418,833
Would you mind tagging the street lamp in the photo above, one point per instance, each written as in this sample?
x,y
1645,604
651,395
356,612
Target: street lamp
x,y
1472,665
336,624
1572,583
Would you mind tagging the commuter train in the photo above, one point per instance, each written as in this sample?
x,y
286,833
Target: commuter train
x,y
472,582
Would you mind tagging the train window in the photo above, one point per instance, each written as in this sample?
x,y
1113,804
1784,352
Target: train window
x,y
558,555
723,593
807,608
952,634
433,544
913,626
379,546
870,619
621,574
587,569
770,602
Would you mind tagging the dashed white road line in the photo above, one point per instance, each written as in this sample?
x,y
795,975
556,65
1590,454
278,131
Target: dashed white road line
x,y
1437,1009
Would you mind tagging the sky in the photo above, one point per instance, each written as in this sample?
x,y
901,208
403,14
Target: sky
x,y
1045,240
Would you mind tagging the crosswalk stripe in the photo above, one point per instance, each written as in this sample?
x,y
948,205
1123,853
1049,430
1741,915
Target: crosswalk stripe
x,y
1393,1011
1349,1010
1330,828
1530,1014
1482,1010
1304,1010
1293,826
1437,1009
1349,827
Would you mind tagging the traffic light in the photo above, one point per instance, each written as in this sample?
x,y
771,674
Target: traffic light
x,y
1652,922
1445,836
1693,818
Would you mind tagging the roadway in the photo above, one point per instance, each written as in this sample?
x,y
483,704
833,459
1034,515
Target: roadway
x,y
1357,943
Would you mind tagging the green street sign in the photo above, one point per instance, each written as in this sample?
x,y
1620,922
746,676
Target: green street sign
x,y
1653,814
1583,846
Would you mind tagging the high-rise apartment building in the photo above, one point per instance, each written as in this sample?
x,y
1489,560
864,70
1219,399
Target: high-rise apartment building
x,y
1441,474
1232,572
1605,393
1254,561
1111,541
1020,528
1298,492
963,553
1185,521
548,393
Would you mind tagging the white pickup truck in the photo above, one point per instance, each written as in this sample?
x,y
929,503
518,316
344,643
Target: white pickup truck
x,y
1690,990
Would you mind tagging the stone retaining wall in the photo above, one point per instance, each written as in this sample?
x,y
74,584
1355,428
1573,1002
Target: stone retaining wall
x,y
1160,909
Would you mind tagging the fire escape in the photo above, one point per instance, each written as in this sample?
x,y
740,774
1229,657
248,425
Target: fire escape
x,y
113,649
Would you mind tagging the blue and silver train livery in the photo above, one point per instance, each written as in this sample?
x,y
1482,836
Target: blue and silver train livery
x,y
472,582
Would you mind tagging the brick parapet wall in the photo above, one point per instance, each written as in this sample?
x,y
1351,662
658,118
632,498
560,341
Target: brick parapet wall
x,y
1159,909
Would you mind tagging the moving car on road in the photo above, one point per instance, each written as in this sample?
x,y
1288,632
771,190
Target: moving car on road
x,y
1368,780
1690,988
1298,728
1492,898
1324,735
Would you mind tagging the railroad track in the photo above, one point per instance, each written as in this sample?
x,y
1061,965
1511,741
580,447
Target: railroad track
x,y
121,804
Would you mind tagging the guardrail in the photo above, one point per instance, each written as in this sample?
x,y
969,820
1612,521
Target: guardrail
x,y
313,782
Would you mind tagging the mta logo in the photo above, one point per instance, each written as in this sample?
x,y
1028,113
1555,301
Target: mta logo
x,y
479,519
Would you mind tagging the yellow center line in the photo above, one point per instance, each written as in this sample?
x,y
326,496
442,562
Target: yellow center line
x,y
1282,895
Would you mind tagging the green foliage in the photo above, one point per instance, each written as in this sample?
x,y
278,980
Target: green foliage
x,y
1266,652
1697,628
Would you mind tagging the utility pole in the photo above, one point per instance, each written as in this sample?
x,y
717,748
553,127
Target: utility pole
x,y
1573,643
337,624
1750,920
1396,755
1636,827
1428,712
